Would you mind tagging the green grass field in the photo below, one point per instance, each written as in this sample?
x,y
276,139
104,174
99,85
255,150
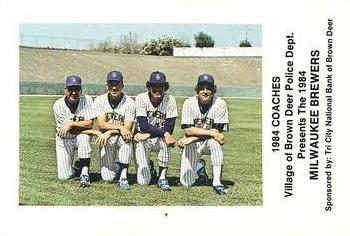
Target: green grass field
x,y
38,184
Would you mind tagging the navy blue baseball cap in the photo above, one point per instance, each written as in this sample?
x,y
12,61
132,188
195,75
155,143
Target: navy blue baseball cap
x,y
157,78
73,80
206,78
114,76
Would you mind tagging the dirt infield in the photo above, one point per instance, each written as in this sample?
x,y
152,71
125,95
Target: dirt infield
x,y
53,65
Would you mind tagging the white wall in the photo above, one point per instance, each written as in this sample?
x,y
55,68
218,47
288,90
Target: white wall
x,y
218,52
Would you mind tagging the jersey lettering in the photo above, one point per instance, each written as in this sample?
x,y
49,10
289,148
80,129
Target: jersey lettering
x,y
156,118
205,123
114,117
156,114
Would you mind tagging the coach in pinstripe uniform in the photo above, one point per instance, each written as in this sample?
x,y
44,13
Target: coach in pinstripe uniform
x,y
74,119
156,113
204,118
115,112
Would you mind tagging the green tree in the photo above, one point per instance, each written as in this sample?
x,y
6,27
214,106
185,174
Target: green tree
x,y
203,40
105,46
162,46
128,43
245,43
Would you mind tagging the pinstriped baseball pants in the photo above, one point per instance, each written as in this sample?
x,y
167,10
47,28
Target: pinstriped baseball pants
x,y
115,147
65,153
190,155
142,152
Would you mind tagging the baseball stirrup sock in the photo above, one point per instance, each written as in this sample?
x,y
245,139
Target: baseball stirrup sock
x,y
123,174
199,166
216,175
85,171
162,172
84,162
123,170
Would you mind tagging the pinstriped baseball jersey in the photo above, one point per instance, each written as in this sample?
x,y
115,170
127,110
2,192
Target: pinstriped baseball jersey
x,y
125,111
217,114
142,153
84,111
116,146
65,146
155,115
191,116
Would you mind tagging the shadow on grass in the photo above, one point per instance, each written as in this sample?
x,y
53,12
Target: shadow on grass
x,y
132,178
95,177
173,180
226,183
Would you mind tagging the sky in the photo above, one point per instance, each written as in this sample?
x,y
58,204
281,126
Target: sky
x,y
80,35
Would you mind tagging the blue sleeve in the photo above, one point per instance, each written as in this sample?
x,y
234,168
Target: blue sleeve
x,y
169,125
153,130
146,127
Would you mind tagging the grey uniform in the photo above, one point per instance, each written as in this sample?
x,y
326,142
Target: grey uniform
x,y
191,116
116,146
155,116
65,146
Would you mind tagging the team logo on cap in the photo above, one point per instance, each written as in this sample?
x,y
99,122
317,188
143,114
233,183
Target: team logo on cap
x,y
158,77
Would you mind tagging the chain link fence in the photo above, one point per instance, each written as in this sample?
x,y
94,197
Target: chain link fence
x,y
39,41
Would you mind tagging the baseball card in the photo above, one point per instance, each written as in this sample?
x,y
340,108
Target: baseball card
x,y
177,117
